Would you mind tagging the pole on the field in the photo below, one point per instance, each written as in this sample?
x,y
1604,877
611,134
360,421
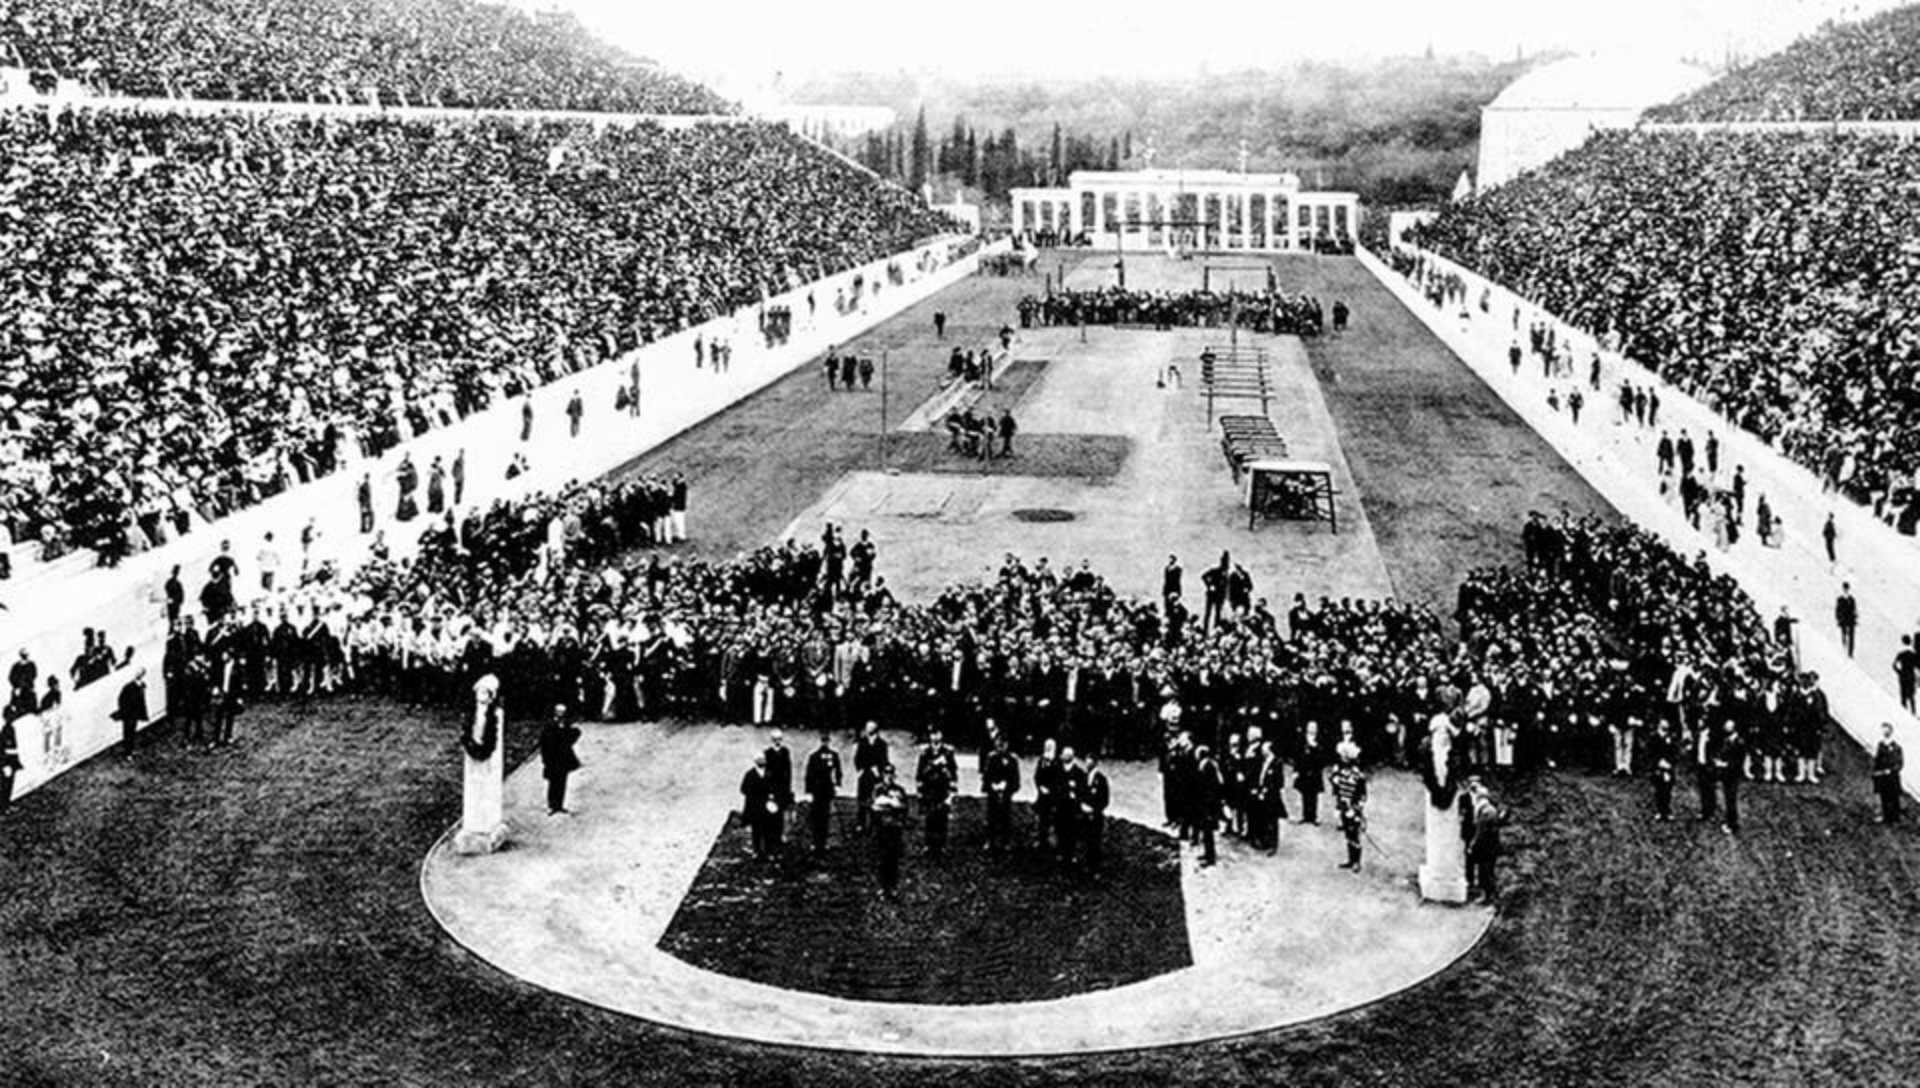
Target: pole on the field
x,y
883,408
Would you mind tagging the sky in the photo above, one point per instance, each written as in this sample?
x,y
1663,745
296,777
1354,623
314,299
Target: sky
x,y
744,42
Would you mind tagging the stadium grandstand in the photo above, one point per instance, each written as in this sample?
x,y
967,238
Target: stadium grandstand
x,y
516,571
1771,275
1855,70
270,272
444,53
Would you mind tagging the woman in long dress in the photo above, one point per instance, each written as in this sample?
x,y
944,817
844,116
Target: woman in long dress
x,y
53,728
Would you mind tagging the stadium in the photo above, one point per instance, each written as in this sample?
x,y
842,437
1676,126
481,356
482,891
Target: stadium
x,y
519,566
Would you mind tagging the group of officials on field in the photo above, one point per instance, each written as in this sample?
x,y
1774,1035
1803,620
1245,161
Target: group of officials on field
x,y
1070,799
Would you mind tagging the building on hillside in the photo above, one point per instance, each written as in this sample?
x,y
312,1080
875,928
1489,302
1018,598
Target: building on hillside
x,y
1189,209
1555,107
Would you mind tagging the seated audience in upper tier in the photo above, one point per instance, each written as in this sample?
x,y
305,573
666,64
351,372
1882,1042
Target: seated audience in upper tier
x,y
396,52
1855,71
198,311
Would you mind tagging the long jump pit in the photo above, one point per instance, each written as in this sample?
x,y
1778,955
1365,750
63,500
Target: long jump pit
x,y
648,902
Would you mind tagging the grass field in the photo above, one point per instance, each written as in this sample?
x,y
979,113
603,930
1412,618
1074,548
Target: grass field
x,y
968,928
1446,471
254,917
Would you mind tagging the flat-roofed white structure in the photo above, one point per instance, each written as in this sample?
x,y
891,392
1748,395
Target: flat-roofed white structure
x,y
1188,209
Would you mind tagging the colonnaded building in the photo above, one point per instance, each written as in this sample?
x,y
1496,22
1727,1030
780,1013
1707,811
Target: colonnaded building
x,y
1204,209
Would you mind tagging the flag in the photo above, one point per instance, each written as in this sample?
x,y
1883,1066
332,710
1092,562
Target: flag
x,y
1463,189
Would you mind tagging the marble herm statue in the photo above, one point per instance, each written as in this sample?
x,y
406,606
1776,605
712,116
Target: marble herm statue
x,y
483,824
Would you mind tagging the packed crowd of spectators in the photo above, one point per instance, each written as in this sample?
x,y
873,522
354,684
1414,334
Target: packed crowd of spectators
x,y
805,635
454,53
590,522
1854,71
197,311
1268,311
1771,276
1608,650
1603,650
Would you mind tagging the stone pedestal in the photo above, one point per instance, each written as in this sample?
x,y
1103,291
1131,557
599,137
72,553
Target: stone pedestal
x,y
1443,879
483,824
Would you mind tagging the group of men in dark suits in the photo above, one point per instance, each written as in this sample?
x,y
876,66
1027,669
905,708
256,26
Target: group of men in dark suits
x,y
1072,795
1071,798
1243,786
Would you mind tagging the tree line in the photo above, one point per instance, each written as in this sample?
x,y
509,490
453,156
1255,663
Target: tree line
x,y
1398,131
992,165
